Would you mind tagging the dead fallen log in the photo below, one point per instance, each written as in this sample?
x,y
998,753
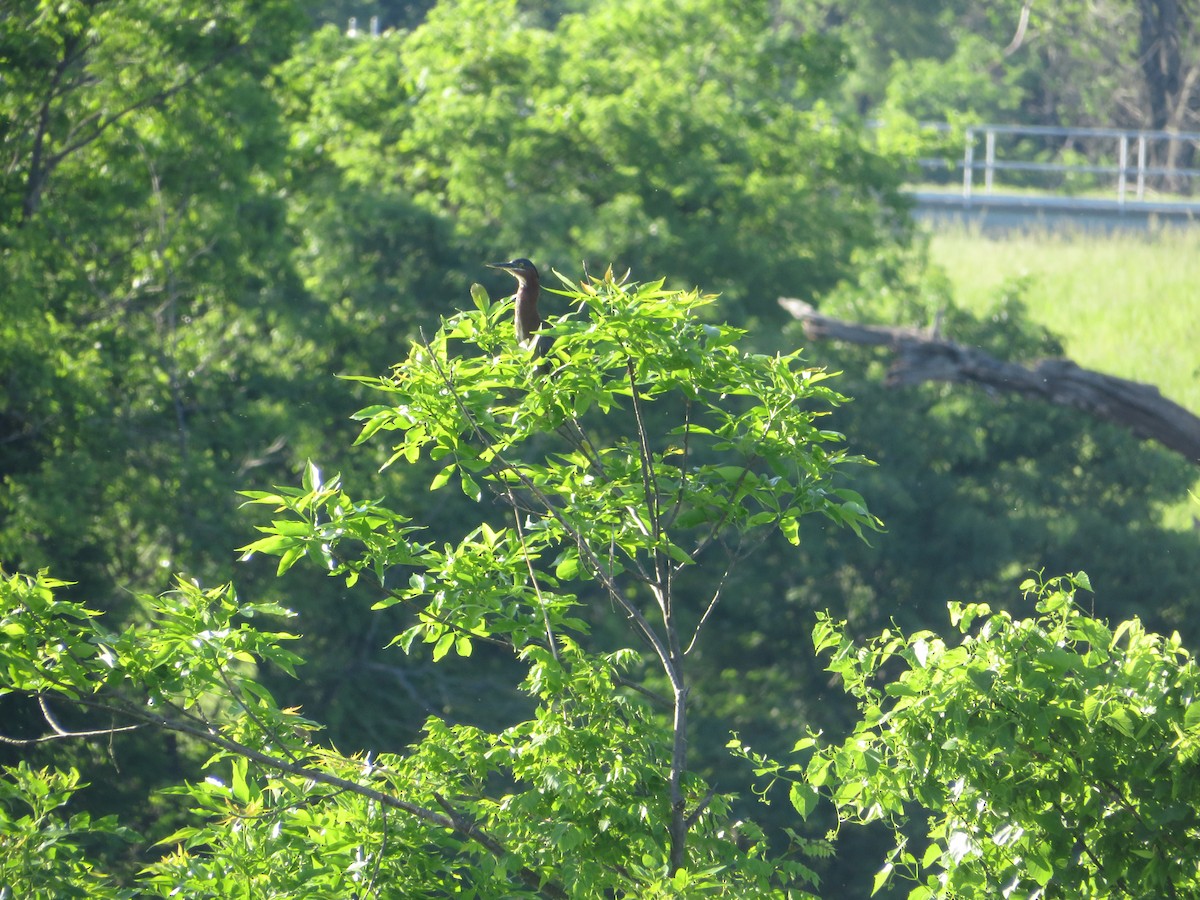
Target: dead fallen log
x,y
921,356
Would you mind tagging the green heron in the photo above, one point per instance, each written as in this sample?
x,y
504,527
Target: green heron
x,y
528,320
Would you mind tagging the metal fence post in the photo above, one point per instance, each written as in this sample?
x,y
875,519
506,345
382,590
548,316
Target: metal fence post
x,y
989,160
1151,174
1122,164
968,163
1141,170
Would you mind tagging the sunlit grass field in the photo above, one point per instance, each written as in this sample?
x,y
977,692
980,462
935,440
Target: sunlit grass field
x,y
1125,304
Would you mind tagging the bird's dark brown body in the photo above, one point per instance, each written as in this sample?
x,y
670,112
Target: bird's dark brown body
x,y
528,319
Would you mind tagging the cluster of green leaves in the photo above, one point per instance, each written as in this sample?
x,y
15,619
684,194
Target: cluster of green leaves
x,y
1072,63
46,852
139,224
691,139
201,221
1108,63
722,445
1046,756
975,489
733,448
978,488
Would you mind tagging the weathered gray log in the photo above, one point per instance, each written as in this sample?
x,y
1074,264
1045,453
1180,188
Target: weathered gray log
x,y
922,356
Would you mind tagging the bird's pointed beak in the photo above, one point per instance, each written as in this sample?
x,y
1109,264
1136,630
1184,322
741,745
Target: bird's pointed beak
x,y
500,265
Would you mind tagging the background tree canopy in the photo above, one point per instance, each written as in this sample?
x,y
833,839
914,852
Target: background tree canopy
x,y
210,211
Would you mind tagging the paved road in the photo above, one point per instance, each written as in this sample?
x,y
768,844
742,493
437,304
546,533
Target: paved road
x,y
998,213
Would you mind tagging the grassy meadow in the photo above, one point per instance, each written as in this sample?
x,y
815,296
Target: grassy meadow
x,y
1125,304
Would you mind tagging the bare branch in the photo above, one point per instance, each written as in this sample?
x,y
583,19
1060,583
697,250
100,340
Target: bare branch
x,y
712,604
1022,23
61,733
1141,408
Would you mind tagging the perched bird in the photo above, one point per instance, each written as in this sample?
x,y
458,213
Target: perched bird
x,y
528,319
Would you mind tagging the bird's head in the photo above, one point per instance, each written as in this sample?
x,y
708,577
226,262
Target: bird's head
x,y
521,269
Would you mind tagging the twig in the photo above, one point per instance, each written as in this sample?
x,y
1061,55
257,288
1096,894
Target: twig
x,y
712,604
61,733
537,588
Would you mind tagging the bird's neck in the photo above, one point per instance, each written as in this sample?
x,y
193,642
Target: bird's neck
x,y
527,293
528,318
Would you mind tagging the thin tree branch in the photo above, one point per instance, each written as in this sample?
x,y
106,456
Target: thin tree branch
x,y
533,579
712,604
245,707
59,732
451,819
646,458
39,166
696,813
683,463
1022,23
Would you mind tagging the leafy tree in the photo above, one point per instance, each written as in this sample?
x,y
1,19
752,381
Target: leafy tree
x,y
1115,63
593,792
143,266
1049,756
45,854
975,490
689,138
497,130
223,217
154,343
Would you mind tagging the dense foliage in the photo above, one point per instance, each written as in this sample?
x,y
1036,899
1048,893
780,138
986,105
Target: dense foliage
x,y
593,794
144,340
1045,756
693,140
207,211
1111,63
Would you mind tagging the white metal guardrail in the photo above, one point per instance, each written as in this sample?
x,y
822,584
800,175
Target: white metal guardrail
x,y
1139,164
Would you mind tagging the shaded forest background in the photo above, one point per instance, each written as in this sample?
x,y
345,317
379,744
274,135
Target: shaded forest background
x,y
209,211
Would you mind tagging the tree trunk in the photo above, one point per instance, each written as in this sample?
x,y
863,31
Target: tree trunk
x,y
1164,27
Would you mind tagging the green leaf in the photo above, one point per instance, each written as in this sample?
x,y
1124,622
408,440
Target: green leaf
x,y
1038,865
1122,720
790,527
372,426
443,645
567,567
469,486
312,477
272,545
289,558
442,477
480,296
238,786
1191,715
882,877
803,797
